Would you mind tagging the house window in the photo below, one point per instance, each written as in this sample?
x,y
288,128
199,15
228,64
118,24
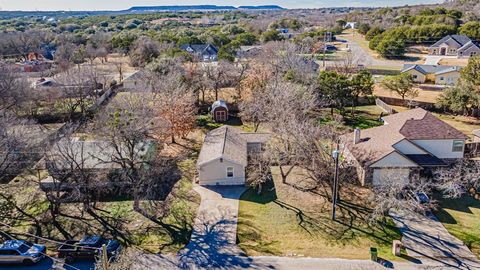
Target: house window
x,y
415,77
229,172
441,78
457,146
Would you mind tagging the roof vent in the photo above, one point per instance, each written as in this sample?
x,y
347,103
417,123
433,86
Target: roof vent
x,y
357,136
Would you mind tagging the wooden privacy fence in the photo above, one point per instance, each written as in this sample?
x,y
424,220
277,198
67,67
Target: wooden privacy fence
x,y
387,108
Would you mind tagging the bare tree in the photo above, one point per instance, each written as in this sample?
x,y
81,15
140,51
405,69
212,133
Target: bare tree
x,y
395,194
144,51
456,180
80,89
128,125
13,144
173,98
217,76
14,90
24,43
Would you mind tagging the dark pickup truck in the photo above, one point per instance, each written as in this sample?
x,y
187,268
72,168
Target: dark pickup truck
x,y
87,248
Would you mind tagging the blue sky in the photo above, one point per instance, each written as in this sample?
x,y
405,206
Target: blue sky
x,y
124,4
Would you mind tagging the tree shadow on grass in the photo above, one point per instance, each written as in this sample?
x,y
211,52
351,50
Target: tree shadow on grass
x,y
267,196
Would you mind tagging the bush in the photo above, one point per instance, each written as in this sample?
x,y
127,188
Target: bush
x,y
203,120
373,33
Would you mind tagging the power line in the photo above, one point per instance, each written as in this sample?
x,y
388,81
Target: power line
x,y
46,255
46,239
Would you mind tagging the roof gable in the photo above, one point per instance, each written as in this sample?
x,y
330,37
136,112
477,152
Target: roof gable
x,y
458,40
416,124
223,142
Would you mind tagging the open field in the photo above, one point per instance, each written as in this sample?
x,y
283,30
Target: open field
x,y
453,62
286,221
461,217
423,95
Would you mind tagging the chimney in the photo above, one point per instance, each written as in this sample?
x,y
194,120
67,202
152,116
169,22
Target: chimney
x,y
356,136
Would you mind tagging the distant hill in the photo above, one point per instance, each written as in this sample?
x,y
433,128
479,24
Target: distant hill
x,y
199,7
272,7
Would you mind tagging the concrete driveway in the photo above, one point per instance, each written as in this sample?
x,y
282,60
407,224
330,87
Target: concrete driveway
x,y
435,59
213,241
427,240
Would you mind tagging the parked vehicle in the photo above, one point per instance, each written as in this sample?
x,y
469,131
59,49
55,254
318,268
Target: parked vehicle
x,y
88,248
422,198
21,251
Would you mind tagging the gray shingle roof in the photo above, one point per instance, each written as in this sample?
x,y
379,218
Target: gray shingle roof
x,y
92,154
430,69
202,49
416,124
229,143
459,39
224,142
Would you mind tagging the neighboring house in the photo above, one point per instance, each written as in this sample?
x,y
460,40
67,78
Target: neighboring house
x,y
406,144
455,45
203,52
220,111
224,155
440,75
134,81
95,156
350,25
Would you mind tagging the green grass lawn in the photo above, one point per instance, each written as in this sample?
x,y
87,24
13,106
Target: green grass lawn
x,y
364,117
461,217
286,221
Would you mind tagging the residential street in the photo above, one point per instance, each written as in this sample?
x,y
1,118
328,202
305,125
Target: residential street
x,y
427,239
363,57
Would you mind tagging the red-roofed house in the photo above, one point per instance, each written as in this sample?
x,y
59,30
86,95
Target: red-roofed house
x,y
407,143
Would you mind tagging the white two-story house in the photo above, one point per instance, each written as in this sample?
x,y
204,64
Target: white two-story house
x,y
406,144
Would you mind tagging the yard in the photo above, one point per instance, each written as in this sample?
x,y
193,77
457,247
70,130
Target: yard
x,y
461,217
287,221
167,231
429,96
365,117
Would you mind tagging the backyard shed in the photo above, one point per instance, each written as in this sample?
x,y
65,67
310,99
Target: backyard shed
x,y
220,111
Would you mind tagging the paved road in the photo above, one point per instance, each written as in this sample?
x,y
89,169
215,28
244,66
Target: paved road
x,y
363,57
426,239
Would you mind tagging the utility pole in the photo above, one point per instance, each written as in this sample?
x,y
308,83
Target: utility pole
x,y
324,47
104,257
336,157
327,37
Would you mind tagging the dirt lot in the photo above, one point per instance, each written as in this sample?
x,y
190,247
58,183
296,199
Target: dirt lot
x,y
453,62
423,95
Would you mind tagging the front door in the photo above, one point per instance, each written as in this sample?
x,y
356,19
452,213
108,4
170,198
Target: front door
x,y
221,116
443,51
